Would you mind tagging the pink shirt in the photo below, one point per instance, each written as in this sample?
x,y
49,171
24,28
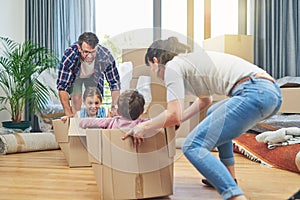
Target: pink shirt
x,y
109,123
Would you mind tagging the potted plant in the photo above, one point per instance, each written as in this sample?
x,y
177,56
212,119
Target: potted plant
x,y
20,67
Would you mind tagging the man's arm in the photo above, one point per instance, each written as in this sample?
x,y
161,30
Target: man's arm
x,y
64,99
199,105
114,98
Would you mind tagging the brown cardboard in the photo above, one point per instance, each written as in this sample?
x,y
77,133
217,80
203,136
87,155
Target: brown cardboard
x,y
290,100
239,45
72,141
136,56
125,172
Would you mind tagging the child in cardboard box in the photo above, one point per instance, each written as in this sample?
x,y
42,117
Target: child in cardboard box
x,y
130,107
92,101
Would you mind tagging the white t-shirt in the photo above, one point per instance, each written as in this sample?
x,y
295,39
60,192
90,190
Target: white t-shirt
x,y
204,73
86,69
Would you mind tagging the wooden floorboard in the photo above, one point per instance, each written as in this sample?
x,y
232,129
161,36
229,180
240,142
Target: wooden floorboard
x,y
45,175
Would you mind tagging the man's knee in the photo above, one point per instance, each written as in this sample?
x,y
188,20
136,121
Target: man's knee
x,y
76,102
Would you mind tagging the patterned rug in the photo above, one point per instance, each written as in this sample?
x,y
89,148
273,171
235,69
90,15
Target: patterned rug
x,y
283,157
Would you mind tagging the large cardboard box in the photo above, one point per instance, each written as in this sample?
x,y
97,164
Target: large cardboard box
x,y
125,172
72,141
239,45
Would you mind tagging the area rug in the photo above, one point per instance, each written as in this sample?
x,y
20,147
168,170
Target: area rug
x,y
25,142
283,157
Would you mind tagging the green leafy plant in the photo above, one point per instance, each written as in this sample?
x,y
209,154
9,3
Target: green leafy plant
x,y
20,67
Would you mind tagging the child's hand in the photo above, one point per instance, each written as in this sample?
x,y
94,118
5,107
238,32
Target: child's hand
x,y
138,135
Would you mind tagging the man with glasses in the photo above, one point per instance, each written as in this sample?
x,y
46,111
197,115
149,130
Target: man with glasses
x,y
86,62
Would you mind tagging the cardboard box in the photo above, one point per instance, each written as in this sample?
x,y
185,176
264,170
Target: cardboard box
x,y
125,172
290,98
239,45
290,89
134,55
72,141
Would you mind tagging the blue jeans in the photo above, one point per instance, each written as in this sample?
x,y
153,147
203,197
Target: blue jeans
x,y
251,102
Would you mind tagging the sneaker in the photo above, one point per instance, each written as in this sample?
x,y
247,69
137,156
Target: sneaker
x,y
205,182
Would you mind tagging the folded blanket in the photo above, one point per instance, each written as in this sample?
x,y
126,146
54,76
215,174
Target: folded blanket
x,y
280,137
25,142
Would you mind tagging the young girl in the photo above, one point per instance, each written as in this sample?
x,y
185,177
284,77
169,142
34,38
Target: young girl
x,y
92,101
130,107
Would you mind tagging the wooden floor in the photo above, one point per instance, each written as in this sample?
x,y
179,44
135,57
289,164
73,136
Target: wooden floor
x,y
45,175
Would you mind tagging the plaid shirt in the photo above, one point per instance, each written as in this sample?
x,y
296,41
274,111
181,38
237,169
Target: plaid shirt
x,y
104,66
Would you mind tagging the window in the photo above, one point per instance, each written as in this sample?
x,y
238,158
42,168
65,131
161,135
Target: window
x,y
224,17
119,24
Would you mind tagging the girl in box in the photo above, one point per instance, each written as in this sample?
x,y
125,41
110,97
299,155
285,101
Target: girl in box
x,y
92,101
130,106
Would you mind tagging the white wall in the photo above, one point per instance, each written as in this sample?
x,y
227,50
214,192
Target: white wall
x,y
12,25
12,20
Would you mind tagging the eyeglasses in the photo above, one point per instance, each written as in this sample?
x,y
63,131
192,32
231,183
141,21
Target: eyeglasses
x,y
86,52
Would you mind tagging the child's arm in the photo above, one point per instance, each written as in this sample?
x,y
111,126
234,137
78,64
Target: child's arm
x,y
94,122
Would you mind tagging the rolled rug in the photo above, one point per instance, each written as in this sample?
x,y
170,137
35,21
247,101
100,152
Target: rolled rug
x,y
26,142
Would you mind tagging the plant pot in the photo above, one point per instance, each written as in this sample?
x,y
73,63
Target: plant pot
x,y
16,125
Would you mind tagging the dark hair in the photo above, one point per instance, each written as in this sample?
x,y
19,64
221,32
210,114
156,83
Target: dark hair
x,y
131,104
165,50
89,38
90,92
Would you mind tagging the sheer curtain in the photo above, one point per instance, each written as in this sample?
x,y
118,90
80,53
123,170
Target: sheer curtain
x,y
277,36
56,24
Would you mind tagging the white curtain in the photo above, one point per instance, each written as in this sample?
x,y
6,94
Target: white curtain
x,y
56,24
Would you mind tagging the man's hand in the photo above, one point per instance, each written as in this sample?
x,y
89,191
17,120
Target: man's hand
x,y
64,119
138,135
113,112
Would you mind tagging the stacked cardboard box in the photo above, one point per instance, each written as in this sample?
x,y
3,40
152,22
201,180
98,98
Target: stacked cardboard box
x,y
239,45
290,96
125,172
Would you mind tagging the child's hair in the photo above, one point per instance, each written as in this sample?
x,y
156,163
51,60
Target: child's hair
x,y
131,104
90,92
165,50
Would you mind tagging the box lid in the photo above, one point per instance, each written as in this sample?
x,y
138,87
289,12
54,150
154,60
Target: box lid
x,y
63,130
